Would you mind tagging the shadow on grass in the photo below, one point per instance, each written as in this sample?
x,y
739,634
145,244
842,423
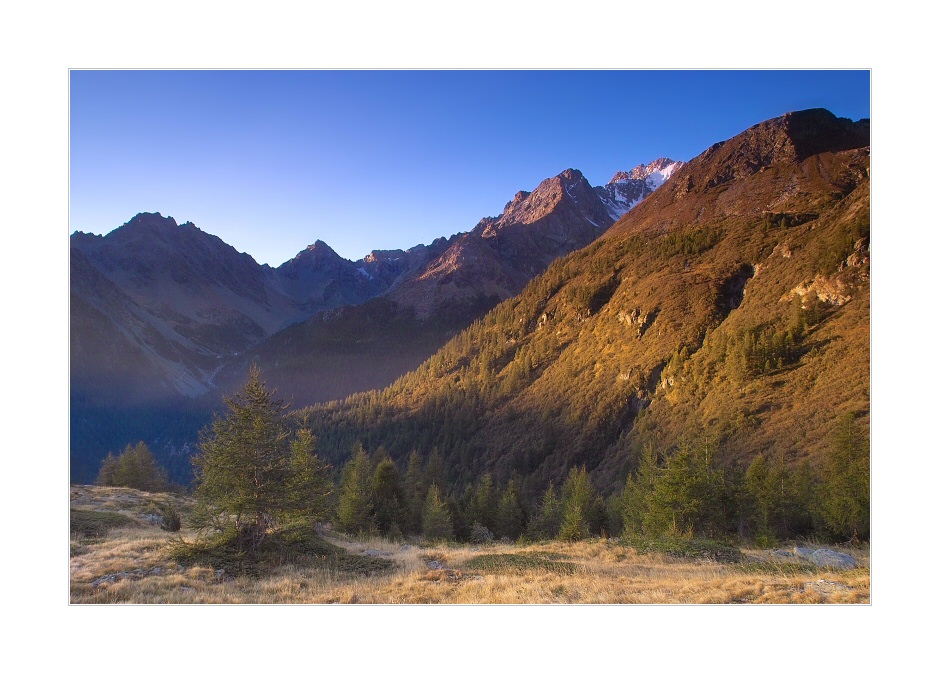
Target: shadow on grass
x,y
685,548
521,562
295,545
95,524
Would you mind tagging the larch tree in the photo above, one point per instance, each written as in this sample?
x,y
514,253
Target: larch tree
x,y
388,498
253,471
136,468
846,483
437,525
354,511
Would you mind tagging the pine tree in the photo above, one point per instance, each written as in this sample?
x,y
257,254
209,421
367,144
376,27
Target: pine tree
x,y
615,514
309,486
575,525
389,497
510,518
355,507
415,494
252,472
434,470
635,499
484,503
692,494
803,515
436,523
135,468
762,487
108,471
846,483
579,494
679,494
547,522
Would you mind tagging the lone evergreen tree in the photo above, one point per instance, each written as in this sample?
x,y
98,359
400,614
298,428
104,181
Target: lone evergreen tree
x,y
354,510
252,472
547,521
437,524
846,480
415,494
510,518
637,492
578,494
389,498
483,504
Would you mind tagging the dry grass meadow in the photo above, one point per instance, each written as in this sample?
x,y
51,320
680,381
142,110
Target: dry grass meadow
x,y
124,557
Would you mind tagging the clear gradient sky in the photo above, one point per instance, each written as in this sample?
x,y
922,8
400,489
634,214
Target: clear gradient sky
x,y
271,161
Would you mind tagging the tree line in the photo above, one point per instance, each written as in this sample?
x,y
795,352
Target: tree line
x,y
258,469
690,491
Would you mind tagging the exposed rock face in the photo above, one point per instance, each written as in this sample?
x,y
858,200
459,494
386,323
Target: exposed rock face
x,y
562,214
388,267
500,255
627,189
715,184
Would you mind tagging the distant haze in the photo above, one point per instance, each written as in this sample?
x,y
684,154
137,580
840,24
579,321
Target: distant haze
x,y
272,161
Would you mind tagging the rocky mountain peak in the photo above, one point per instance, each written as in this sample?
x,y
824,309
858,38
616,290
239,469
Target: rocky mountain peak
x,y
316,251
790,137
781,141
661,168
571,175
628,188
319,245
153,221
818,130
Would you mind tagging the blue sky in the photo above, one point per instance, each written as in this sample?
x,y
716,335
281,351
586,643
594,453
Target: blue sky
x,y
271,161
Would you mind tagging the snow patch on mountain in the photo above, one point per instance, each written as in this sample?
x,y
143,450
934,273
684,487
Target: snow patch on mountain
x,y
626,189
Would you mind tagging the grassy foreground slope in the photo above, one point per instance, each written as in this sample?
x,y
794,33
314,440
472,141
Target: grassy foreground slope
x,y
731,307
129,559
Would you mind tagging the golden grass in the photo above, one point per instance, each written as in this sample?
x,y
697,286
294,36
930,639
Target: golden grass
x,y
605,572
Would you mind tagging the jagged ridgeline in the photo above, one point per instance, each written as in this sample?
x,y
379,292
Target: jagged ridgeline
x,y
730,308
166,317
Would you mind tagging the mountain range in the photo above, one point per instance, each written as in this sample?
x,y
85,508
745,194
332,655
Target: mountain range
x,y
723,302
729,311
166,317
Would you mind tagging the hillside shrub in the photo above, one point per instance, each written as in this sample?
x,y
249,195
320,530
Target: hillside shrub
x,y
171,518
480,535
93,523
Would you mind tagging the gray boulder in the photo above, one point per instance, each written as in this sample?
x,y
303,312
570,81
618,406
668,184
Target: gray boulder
x,y
832,559
826,558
